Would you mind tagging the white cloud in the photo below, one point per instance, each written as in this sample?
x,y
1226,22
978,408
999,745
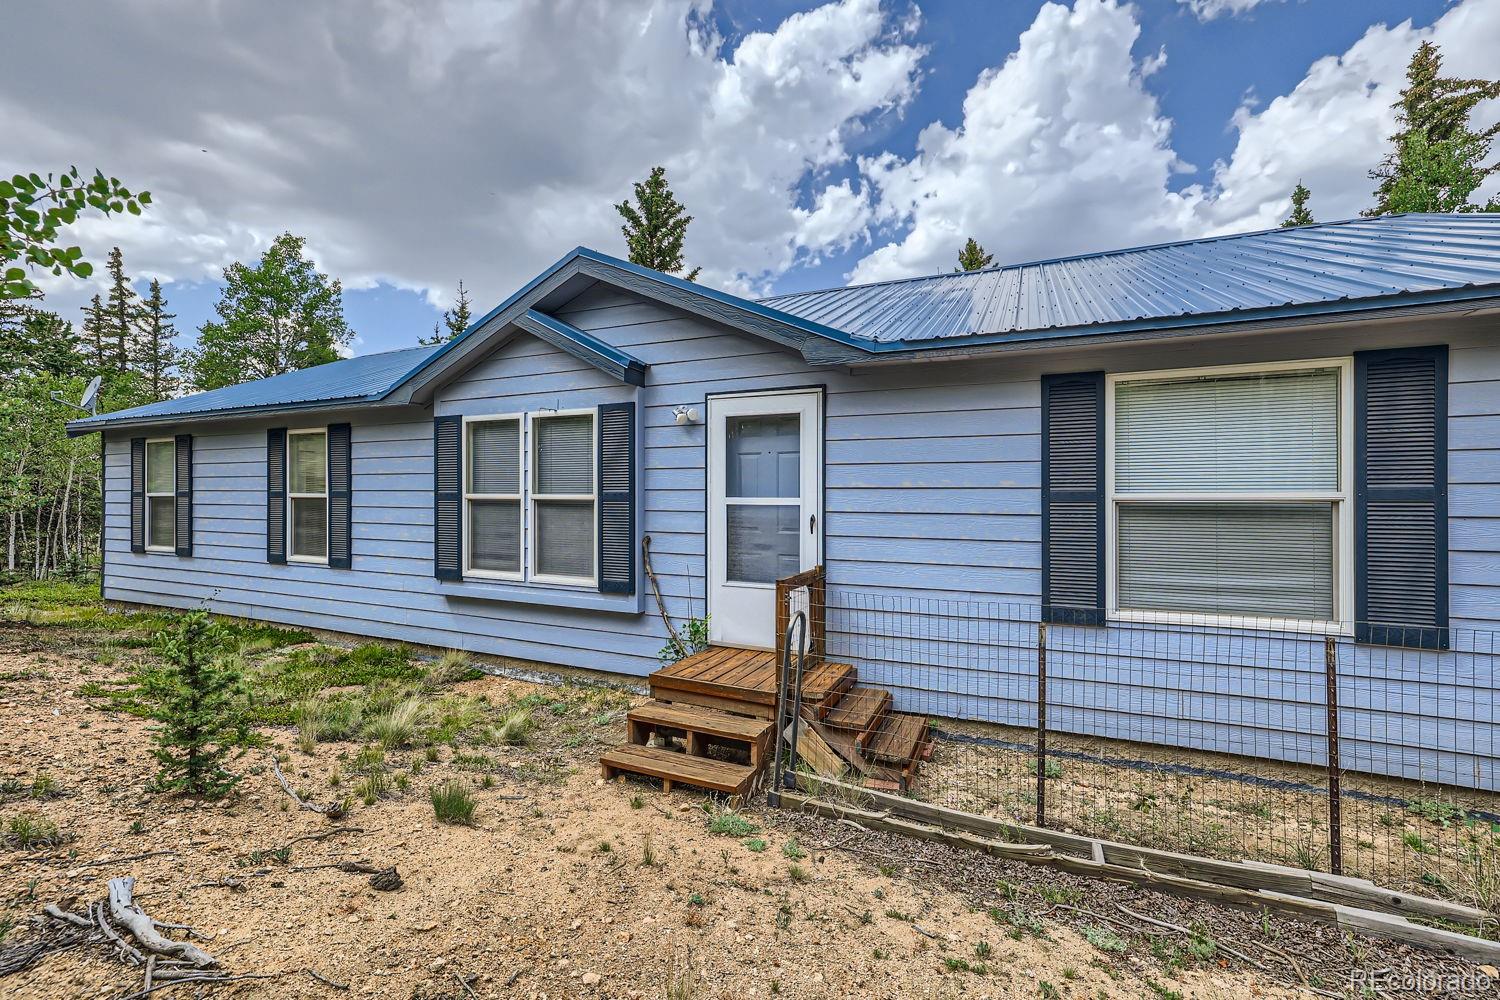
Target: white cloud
x,y
1064,149
417,143
1061,149
1207,10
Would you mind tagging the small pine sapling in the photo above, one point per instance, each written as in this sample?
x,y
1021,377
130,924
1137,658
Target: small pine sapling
x,y
198,701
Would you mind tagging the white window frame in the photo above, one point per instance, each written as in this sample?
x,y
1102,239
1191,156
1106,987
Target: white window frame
x,y
1342,500
592,498
146,485
291,541
519,496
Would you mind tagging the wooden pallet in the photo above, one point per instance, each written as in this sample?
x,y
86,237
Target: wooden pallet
x,y
899,742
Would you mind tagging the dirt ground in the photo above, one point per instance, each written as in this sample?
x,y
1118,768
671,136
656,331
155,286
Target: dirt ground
x,y
1420,838
566,886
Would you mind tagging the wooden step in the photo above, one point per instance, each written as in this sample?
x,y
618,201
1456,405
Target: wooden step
x,y
859,712
823,684
696,723
899,741
678,768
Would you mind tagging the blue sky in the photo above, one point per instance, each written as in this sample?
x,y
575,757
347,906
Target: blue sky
x,y
816,144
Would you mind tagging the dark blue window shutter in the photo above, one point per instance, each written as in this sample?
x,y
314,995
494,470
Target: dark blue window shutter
x,y
276,495
447,497
1073,498
138,494
1401,497
184,500
340,495
616,456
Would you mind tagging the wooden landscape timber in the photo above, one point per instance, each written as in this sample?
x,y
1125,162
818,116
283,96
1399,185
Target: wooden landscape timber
x,y
1349,903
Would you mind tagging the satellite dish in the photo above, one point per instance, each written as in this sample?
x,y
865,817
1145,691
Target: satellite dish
x,y
90,400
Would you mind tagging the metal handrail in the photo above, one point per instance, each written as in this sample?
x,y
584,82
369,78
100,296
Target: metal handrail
x,y
788,779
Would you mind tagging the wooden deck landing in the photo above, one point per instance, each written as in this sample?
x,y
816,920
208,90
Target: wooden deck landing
x,y
744,681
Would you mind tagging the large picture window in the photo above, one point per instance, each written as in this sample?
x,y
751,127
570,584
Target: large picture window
x,y
307,495
161,495
492,497
1228,492
563,497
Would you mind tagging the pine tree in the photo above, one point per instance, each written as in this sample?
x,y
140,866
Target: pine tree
x,y
156,356
455,320
973,258
1301,215
96,332
123,307
655,226
1437,157
197,699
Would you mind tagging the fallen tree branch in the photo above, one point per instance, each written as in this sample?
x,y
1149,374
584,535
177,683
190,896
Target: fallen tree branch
x,y
1186,932
122,909
333,810
332,984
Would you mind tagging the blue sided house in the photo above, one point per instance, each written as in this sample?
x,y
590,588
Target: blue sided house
x,y
1259,445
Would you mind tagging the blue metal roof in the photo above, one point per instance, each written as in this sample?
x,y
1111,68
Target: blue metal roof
x,y
1359,264
354,380
1360,260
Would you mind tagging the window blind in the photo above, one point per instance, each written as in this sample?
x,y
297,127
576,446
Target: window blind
x,y
565,538
1253,559
308,466
564,455
1264,432
495,456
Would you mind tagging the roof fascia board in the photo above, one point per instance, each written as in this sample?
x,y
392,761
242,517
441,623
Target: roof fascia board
x,y
354,404
586,348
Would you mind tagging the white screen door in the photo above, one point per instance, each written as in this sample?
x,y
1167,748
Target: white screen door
x,y
765,490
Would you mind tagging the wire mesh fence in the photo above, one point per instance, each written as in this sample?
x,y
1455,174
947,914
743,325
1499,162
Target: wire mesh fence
x,y
1238,739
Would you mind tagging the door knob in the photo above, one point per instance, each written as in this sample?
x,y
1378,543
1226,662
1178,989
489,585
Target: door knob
x,y
812,523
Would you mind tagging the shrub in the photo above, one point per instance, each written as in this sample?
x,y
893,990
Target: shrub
x,y
692,639
452,803
198,701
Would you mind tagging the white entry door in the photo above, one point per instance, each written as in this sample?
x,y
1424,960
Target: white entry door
x,y
765,517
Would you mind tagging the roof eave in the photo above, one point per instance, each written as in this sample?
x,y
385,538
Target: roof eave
x,y
91,425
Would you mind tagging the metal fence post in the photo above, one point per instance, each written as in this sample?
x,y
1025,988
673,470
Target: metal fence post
x,y
1041,724
1335,821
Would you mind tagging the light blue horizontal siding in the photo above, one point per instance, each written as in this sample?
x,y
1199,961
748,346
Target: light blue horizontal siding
x,y
931,495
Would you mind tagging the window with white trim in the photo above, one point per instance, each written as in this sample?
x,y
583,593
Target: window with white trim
x,y
161,495
563,497
492,497
307,495
1228,492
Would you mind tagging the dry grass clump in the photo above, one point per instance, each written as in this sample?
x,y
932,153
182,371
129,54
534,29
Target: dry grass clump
x,y
399,725
513,729
452,667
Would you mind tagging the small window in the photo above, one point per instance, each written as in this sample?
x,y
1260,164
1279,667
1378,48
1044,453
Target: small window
x,y
563,497
492,495
161,495
1229,493
307,495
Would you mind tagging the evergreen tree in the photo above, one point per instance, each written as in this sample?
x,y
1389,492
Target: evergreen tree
x,y
197,701
1301,215
156,355
278,316
973,258
1437,157
123,308
95,332
455,320
655,226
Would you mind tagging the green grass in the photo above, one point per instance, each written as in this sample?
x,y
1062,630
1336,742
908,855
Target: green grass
x,y
27,831
728,823
755,845
452,803
400,725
